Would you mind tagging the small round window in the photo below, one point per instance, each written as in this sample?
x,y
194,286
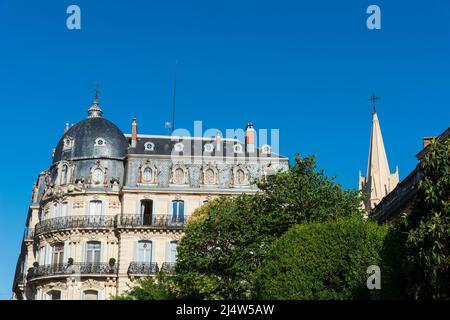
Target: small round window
x,y
179,147
209,147
266,149
100,142
237,148
149,146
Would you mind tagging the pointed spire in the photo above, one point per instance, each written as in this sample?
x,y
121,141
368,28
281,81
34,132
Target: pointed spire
x,y
379,181
94,111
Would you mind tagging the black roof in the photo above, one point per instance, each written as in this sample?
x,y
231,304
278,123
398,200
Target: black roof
x,y
165,145
85,134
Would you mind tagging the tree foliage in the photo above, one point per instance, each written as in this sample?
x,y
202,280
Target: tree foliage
x,y
428,227
149,288
322,260
227,240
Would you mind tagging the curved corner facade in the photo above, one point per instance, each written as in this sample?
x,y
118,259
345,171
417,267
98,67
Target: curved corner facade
x,y
111,207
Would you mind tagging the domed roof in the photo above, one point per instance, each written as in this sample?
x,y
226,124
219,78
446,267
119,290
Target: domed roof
x,y
92,138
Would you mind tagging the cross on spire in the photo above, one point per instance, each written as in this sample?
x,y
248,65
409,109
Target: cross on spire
x,y
374,98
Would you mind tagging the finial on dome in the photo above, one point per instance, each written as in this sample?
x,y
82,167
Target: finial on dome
x,y
95,111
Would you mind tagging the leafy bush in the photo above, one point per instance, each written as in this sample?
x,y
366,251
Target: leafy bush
x,y
326,260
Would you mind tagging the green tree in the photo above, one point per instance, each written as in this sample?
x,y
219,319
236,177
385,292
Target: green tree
x,y
427,227
149,288
322,260
227,239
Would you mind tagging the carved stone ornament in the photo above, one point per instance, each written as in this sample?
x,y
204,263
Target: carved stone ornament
x,y
179,174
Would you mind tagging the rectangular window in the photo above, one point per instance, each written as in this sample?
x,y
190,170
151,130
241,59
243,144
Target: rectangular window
x,y
173,251
95,208
58,254
93,252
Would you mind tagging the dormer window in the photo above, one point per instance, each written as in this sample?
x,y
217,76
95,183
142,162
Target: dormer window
x,y
237,148
98,176
266,149
100,142
68,143
149,146
209,148
179,147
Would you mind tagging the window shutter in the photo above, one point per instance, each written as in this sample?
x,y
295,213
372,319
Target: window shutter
x,y
83,257
167,259
48,254
103,253
136,244
152,248
87,207
138,207
66,251
104,204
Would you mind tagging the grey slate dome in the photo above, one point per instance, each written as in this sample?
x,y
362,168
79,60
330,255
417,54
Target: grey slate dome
x,y
92,138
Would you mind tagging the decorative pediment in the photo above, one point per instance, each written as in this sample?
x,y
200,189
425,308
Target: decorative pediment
x,y
147,173
92,284
98,174
210,174
179,174
240,175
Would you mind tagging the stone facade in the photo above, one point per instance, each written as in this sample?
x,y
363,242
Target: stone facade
x,y
111,208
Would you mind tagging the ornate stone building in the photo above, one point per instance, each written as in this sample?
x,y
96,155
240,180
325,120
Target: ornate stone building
x,y
111,207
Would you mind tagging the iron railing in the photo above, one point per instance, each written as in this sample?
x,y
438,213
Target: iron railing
x,y
70,222
151,221
168,267
66,269
143,268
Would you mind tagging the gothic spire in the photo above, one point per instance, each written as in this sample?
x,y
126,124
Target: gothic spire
x,y
379,181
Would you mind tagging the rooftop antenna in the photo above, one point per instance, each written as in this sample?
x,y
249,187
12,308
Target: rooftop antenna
x,y
174,95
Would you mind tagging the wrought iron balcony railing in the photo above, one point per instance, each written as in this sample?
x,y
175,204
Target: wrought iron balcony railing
x,y
168,267
65,269
70,222
151,221
143,268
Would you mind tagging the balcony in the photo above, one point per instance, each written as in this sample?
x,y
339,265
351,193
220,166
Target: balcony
x,y
65,269
168,267
143,268
73,222
155,221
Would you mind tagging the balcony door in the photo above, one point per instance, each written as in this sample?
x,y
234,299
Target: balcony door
x,y
147,212
95,211
93,252
177,211
58,254
173,248
144,251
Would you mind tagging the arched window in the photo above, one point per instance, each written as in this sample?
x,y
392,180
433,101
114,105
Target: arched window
x,y
65,175
98,176
90,295
144,251
240,176
54,295
148,174
95,208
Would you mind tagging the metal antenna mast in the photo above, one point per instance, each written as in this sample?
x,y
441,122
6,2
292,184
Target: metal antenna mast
x,y
174,94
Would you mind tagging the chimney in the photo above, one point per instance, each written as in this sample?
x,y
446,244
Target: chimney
x,y
426,141
250,138
134,133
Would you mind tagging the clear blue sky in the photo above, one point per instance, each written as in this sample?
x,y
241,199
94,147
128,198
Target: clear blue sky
x,y
304,67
